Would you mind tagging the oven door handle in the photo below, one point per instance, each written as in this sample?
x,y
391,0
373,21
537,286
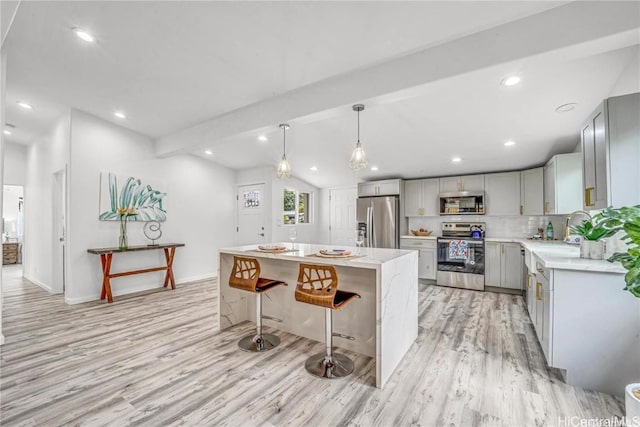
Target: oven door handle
x,y
469,242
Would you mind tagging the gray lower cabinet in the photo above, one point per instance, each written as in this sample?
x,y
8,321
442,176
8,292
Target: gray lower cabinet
x,y
427,256
503,265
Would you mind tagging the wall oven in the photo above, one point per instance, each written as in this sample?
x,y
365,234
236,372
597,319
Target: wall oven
x,y
461,255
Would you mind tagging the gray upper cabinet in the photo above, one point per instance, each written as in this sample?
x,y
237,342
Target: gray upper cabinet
x,y
502,193
421,197
532,192
611,153
454,184
562,184
389,187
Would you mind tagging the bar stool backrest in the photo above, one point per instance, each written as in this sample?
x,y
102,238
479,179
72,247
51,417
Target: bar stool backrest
x,y
317,285
245,273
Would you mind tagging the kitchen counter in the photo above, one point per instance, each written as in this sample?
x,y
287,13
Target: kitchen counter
x,y
383,322
432,237
560,255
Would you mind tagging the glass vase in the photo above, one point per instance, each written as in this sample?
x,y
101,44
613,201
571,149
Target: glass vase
x,y
122,240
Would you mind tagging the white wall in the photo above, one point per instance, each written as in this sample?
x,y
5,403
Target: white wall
x,y
306,233
629,80
275,230
200,206
15,163
46,155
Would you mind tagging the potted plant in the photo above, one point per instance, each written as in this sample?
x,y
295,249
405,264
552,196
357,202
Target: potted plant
x,y
592,232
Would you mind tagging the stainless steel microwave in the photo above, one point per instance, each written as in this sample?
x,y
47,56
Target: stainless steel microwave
x,y
462,203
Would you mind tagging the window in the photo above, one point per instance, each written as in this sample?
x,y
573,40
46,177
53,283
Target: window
x,y
296,207
251,199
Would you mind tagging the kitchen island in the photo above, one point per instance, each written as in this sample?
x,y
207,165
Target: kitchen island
x,y
383,323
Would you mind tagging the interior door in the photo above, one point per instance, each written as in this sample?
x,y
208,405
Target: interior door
x,y
59,202
251,214
342,224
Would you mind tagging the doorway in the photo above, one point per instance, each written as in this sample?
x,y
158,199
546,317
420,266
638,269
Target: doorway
x,y
251,214
342,202
13,228
58,221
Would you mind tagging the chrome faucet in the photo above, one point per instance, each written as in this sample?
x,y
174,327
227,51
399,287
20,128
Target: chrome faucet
x,y
567,230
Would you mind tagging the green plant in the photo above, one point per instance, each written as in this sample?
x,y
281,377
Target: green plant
x,y
626,219
593,229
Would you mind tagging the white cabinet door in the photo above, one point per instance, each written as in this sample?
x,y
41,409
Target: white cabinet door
x,y
539,303
511,266
473,183
547,327
568,184
450,184
453,184
413,205
427,264
531,296
492,264
367,189
550,187
532,191
430,201
502,193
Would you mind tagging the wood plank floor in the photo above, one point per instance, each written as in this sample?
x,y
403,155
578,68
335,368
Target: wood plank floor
x,y
156,359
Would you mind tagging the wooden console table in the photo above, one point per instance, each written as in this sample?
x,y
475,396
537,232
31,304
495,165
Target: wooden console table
x,y
106,255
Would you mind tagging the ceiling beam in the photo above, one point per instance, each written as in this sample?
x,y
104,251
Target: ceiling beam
x,y
573,24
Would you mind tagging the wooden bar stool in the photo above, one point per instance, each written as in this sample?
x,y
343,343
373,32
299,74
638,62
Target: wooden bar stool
x,y
318,285
245,276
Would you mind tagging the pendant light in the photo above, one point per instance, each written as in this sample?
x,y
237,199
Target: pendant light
x,y
358,157
284,170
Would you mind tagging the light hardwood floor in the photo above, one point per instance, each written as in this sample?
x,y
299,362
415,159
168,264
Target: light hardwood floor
x,y
156,359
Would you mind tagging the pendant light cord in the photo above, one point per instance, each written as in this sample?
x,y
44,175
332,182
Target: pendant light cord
x,y
358,126
284,141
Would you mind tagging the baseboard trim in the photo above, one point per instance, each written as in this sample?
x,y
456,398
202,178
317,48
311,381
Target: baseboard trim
x,y
1,339
96,297
39,283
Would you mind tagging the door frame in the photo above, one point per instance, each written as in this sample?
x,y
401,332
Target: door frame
x,y
60,205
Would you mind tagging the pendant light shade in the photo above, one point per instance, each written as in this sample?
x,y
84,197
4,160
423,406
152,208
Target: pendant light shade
x,y
358,159
284,170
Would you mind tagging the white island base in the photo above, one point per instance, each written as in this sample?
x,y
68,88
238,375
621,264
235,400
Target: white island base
x,y
383,323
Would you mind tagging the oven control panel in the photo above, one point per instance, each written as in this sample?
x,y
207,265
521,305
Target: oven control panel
x,y
470,229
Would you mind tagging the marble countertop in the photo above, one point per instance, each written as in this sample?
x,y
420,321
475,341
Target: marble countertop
x,y
560,255
368,258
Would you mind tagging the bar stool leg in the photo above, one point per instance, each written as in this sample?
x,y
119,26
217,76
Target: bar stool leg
x,y
259,341
329,364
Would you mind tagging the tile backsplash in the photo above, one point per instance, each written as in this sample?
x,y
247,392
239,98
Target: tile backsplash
x,y
496,226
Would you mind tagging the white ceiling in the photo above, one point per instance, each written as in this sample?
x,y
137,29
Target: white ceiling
x,y
172,65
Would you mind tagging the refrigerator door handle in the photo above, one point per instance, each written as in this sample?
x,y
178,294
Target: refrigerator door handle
x,y
369,226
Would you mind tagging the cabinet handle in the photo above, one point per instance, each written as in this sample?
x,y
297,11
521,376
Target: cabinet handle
x,y
502,247
521,209
546,207
540,270
528,281
587,196
538,286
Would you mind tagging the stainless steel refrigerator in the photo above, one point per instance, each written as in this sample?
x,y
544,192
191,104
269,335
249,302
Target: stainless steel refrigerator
x,y
379,218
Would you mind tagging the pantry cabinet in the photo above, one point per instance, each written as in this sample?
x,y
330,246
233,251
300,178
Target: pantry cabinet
x,y
532,192
563,184
502,193
611,153
455,184
421,197
503,265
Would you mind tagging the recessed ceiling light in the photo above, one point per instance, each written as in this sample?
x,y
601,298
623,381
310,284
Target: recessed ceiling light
x,y
510,81
566,107
25,105
208,152
374,168
84,35
509,143
456,160
120,115
262,138
6,132
313,168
